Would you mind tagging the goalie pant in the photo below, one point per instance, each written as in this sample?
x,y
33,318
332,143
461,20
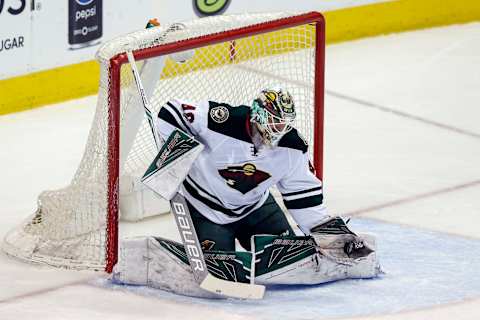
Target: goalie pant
x,y
163,264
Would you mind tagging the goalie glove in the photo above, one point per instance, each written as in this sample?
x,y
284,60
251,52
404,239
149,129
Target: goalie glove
x,y
172,164
335,238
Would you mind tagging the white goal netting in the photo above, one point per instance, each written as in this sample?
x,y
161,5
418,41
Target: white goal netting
x,y
75,227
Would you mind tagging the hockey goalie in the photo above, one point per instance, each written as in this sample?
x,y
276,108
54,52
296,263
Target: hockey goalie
x,y
245,150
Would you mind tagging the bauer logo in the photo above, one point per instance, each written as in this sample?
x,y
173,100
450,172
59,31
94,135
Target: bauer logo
x,y
188,235
84,23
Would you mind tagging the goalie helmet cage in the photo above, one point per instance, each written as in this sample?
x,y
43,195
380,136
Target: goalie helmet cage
x,y
234,57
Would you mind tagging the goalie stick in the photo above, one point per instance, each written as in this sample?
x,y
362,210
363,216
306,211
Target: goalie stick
x,y
184,222
146,104
197,260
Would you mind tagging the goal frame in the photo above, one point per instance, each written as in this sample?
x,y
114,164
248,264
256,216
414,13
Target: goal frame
x,y
117,61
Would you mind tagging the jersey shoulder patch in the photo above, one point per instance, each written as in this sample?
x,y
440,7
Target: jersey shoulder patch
x,y
229,120
294,140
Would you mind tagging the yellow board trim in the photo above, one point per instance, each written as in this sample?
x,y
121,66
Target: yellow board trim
x,y
397,16
48,87
78,80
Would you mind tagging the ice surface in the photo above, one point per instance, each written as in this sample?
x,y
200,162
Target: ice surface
x,y
423,269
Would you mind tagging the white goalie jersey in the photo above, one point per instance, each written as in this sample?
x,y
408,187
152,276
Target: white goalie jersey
x,y
231,177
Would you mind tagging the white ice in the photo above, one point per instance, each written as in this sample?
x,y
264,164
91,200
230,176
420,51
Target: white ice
x,y
402,146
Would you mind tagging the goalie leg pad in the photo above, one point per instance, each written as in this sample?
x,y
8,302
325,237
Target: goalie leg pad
x,y
144,261
163,264
298,260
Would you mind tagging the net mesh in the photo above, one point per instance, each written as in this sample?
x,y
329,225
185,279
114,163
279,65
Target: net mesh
x,y
70,227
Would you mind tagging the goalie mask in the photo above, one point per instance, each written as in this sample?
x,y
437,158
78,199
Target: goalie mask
x,y
273,112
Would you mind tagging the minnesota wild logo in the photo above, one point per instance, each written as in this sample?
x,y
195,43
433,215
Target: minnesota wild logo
x,y
243,178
